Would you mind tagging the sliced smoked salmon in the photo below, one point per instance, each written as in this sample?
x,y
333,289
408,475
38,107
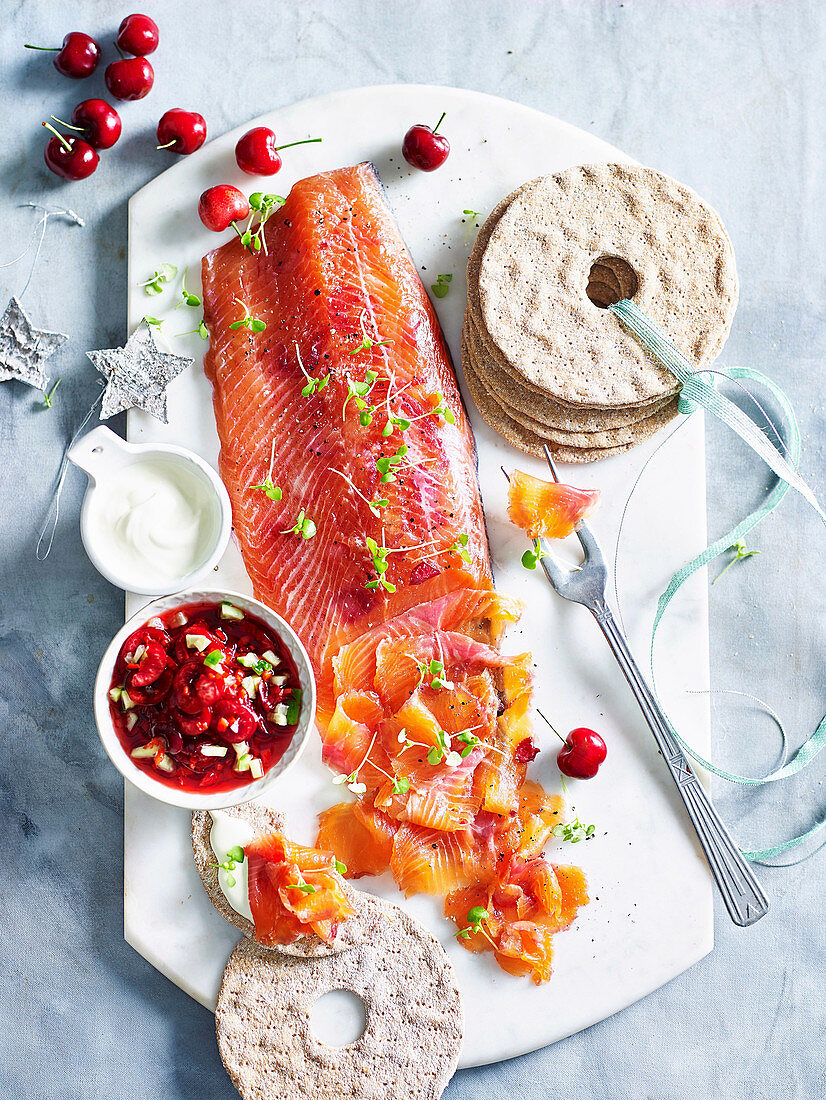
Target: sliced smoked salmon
x,y
375,549
548,509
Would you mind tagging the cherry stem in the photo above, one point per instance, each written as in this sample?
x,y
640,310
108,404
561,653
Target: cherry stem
x,y
306,141
120,51
168,145
63,141
68,125
544,719
439,123
48,49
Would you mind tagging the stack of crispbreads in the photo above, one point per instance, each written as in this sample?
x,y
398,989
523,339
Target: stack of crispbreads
x,y
543,358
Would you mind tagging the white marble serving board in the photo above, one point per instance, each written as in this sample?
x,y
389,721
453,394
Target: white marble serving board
x,y
651,913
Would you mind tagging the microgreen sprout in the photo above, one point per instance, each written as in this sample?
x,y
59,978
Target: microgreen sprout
x,y
531,558
358,391
379,554
234,857
261,206
313,384
304,887
386,464
48,397
352,780
367,341
741,552
340,867
401,784
303,526
475,918
435,669
443,751
201,331
442,285
266,486
460,547
373,505
187,297
254,324
471,219
164,274
154,322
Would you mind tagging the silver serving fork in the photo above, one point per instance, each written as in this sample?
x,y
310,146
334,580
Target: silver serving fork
x,y
736,881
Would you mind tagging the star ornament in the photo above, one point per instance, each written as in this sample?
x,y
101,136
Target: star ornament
x,y
24,349
137,375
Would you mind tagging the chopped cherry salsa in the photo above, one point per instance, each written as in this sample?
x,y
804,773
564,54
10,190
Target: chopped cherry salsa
x,y
206,696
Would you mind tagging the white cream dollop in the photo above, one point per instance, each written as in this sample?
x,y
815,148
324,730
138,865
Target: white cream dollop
x,y
226,833
152,521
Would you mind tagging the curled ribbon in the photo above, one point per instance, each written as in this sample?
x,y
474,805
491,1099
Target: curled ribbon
x,y
699,391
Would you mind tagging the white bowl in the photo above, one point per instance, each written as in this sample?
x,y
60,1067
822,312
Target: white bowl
x,y
195,800
102,455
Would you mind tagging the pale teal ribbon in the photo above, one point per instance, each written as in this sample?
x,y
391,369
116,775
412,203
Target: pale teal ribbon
x,y
698,390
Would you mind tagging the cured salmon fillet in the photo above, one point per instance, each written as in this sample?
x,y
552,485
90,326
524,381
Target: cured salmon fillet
x,y
337,274
346,401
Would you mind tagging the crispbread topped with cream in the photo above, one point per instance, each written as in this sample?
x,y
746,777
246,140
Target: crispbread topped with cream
x,y
262,820
535,269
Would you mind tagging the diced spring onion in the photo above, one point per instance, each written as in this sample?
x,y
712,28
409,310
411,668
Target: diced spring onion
x,y
165,763
256,768
125,701
278,715
197,641
280,681
115,694
213,750
178,620
272,658
229,611
250,685
248,660
241,748
131,720
243,763
143,752
213,659
155,623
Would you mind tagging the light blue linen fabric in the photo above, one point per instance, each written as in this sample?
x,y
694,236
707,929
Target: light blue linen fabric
x,y
727,96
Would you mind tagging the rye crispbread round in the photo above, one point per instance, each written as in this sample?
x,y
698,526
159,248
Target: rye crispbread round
x,y
629,435
533,275
414,1022
265,820
524,439
521,401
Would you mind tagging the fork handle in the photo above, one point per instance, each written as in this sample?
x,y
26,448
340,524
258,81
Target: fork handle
x,y
736,881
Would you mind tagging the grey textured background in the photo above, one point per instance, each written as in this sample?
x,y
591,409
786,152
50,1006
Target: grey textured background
x,y
726,96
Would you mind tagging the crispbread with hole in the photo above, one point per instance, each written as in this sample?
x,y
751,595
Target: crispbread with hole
x,y
533,274
526,400
413,1033
265,820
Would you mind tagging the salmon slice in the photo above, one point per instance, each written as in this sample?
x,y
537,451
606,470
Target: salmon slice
x,y
361,836
293,891
335,276
548,509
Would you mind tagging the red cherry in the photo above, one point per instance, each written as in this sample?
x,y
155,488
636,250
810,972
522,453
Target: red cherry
x,y
257,154
99,122
71,158
424,148
138,34
78,56
129,78
181,131
221,206
582,754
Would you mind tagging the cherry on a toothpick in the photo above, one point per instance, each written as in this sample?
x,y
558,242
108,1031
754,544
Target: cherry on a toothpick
x,y
423,148
129,78
138,34
221,207
71,158
77,58
582,752
98,121
257,153
181,131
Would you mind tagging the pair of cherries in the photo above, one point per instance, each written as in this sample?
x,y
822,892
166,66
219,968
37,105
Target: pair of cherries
x,y
256,153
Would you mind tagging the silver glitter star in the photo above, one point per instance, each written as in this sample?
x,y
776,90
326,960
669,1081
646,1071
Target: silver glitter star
x,y
24,348
137,374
